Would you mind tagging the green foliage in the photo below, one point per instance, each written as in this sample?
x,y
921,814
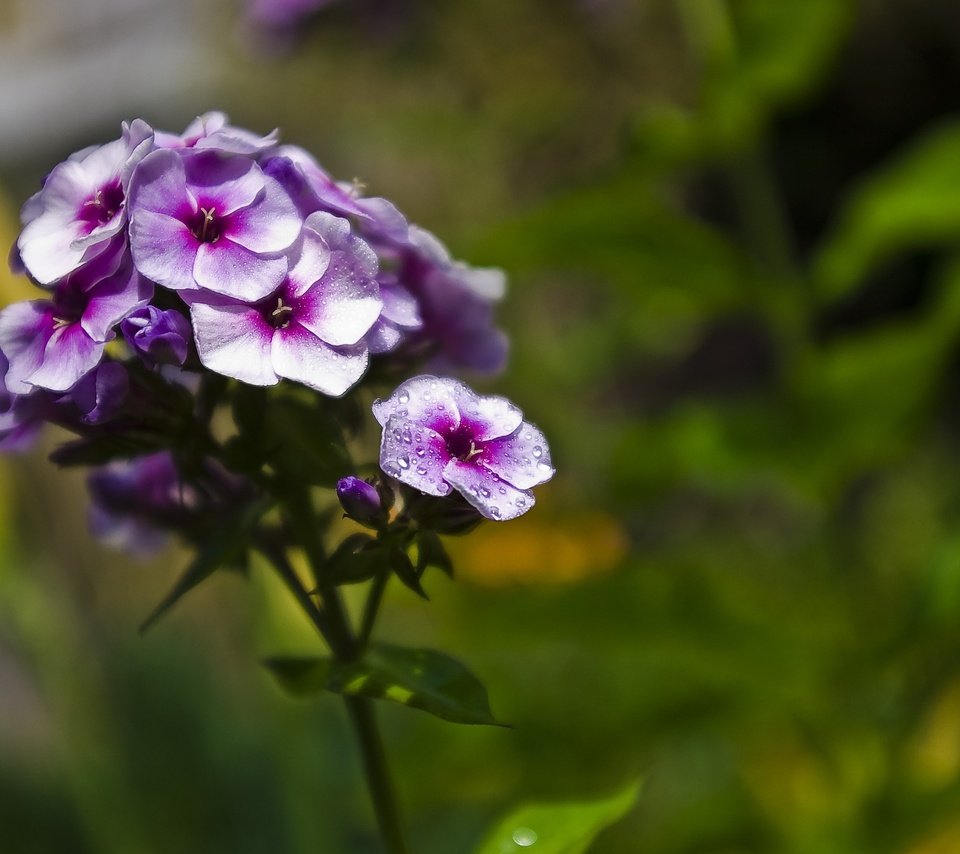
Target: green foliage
x,y
912,202
560,828
419,678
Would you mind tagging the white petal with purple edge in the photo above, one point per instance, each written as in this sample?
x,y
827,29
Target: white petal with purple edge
x,y
490,416
112,300
523,459
270,224
164,249
160,185
227,268
415,455
224,182
48,247
488,492
300,356
25,328
312,258
343,305
234,340
421,399
70,354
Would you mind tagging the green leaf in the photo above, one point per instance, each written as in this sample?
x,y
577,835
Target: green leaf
x,y
408,574
358,558
102,449
420,678
430,552
558,828
229,544
914,201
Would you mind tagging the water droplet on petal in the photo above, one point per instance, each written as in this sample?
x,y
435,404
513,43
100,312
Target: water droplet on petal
x,y
404,461
421,470
484,492
521,502
403,397
421,452
406,437
537,451
444,488
543,467
503,490
495,512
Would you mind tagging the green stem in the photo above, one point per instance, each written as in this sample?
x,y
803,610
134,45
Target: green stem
x,y
364,721
372,608
334,627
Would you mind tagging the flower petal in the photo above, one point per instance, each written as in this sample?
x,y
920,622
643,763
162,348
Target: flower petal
x,y
25,328
227,268
271,224
112,299
522,459
300,356
224,182
343,305
489,416
70,354
414,455
234,340
159,184
493,497
423,399
164,249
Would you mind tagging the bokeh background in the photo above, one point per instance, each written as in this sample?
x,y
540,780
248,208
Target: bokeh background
x,y
731,229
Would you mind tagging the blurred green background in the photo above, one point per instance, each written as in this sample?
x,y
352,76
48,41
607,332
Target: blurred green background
x,y
731,229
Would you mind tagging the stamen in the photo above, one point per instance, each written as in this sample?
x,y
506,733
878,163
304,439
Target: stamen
x,y
60,322
96,201
278,313
357,188
205,225
474,451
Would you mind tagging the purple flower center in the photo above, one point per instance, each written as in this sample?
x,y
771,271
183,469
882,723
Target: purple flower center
x,y
103,206
205,225
460,443
69,304
276,312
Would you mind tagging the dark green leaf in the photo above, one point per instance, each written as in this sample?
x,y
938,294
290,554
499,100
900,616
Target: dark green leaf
x,y
404,569
100,449
357,558
228,545
420,678
430,552
559,828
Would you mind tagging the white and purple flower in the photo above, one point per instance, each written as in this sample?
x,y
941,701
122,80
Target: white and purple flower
x,y
53,343
81,206
310,328
209,219
438,436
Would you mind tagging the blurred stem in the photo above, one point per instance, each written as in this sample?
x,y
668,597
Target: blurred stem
x,y
372,607
334,627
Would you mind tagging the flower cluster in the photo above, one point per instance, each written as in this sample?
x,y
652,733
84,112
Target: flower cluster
x,y
170,265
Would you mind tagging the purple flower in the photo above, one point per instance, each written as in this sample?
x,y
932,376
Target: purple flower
x,y
51,344
399,318
159,337
101,394
205,219
21,416
359,499
456,304
80,206
212,130
310,328
438,435
134,503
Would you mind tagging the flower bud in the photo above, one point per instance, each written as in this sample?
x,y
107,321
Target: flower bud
x,y
359,499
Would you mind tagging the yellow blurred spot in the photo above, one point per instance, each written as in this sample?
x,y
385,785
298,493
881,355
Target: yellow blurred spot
x,y
532,550
946,840
933,753
12,288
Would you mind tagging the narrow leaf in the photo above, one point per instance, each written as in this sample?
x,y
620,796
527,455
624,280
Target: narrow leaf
x,y
229,544
558,828
419,678
430,552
